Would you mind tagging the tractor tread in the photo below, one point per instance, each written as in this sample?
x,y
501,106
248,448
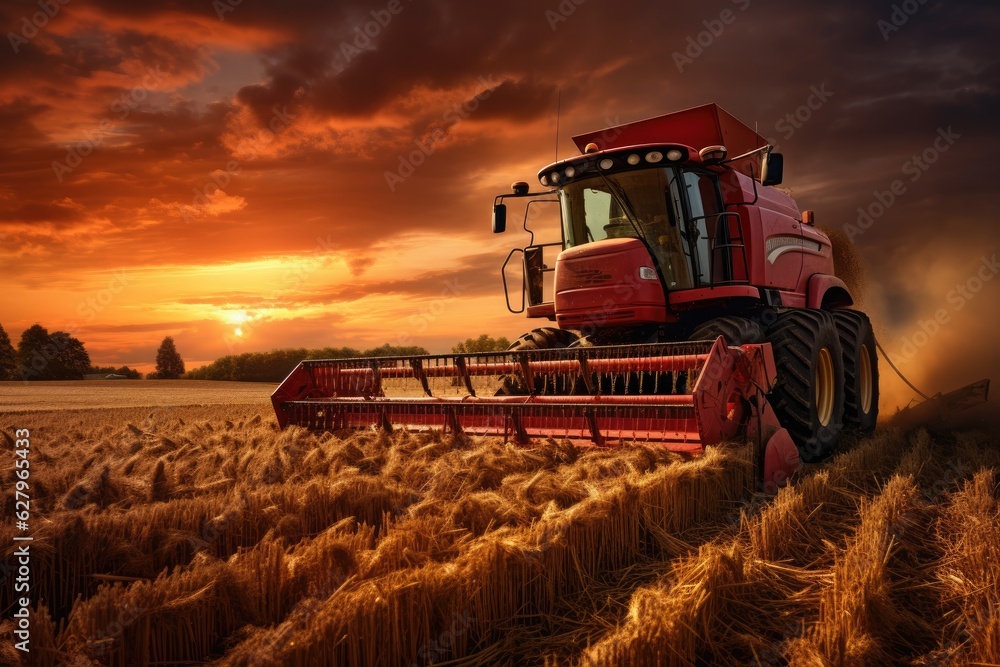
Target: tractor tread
x,y
855,330
544,338
736,330
794,336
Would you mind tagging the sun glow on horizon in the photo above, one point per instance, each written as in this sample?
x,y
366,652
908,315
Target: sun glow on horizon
x,y
238,317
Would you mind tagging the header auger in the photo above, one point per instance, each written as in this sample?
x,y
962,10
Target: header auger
x,y
689,302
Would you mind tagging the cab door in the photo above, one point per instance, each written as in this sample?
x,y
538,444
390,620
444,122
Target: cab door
x,y
718,249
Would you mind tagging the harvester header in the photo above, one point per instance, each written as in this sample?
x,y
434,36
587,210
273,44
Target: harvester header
x,y
681,396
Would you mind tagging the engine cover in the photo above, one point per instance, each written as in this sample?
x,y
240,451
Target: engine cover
x,y
609,283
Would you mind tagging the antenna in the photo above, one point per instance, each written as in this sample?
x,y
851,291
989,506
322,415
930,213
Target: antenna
x,y
558,112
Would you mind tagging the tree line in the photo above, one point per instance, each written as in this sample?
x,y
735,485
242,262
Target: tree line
x,y
41,355
57,355
274,366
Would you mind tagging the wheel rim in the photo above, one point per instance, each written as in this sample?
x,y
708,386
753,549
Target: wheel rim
x,y
865,380
823,382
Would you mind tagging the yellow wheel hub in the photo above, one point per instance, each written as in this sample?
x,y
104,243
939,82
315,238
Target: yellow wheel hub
x,y
865,380
824,385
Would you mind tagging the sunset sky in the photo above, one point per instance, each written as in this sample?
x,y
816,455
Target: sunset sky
x,y
217,171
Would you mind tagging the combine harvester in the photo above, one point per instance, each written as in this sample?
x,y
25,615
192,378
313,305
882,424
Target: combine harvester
x,y
691,303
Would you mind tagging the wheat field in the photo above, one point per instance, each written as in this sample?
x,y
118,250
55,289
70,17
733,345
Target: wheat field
x,y
192,535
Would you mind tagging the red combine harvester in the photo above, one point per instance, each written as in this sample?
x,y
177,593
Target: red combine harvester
x,y
690,301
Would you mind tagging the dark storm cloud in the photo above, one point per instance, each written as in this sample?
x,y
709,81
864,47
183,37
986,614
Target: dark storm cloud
x,y
57,212
886,99
432,44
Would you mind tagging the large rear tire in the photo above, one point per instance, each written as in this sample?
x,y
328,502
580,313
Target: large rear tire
x,y
736,330
860,370
809,395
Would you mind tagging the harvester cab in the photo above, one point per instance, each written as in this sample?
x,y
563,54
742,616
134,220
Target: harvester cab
x,y
674,227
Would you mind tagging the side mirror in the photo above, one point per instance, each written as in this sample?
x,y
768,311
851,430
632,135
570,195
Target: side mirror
x,y
772,169
499,218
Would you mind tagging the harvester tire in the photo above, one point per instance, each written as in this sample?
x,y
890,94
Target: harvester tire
x,y
544,338
857,339
736,330
809,395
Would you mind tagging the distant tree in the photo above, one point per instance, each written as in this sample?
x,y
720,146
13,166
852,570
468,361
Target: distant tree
x,y
169,365
274,366
55,356
130,373
485,343
394,351
31,352
71,360
8,357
